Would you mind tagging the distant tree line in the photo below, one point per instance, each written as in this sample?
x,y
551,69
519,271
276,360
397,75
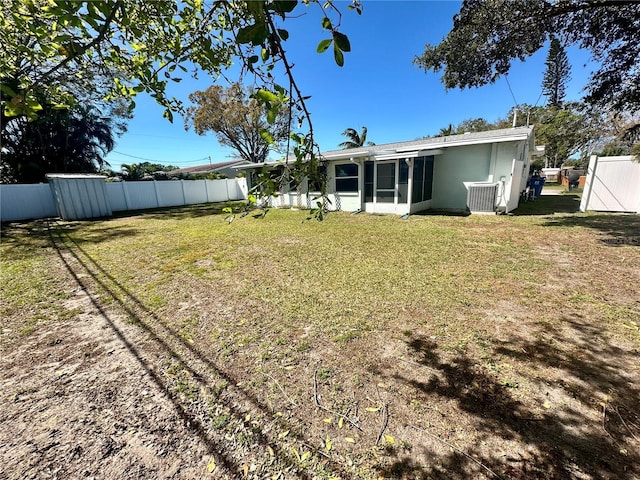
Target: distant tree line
x,y
147,171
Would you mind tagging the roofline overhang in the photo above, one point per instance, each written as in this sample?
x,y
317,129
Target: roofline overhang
x,y
409,154
463,142
411,151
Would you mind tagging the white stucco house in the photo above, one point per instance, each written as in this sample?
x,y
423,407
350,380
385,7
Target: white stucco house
x,y
483,172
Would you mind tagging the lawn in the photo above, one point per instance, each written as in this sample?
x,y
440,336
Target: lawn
x,y
358,347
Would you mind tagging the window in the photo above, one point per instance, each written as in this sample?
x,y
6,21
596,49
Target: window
x,y
347,177
422,179
386,182
418,179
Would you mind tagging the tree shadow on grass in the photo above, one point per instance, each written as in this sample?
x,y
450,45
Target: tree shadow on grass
x,y
549,204
617,229
97,283
35,235
559,442
188,211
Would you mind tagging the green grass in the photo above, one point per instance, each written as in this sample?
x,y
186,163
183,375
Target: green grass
x,y
495,305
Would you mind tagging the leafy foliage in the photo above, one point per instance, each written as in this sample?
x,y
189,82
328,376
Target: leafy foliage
x,y
355,139
488,34
146,171
71,140
619,134
239,120
143,46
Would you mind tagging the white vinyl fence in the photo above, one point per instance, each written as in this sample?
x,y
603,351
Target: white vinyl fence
x,y
26,202
612,185
23,202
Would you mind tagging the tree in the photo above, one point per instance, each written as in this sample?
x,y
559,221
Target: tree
x,y
474,125
563,132
355,139
488,34
618,134
556,75
238,120
446,131
146,171
45,43
71,140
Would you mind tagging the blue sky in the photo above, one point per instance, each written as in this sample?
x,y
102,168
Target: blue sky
x,y
378,87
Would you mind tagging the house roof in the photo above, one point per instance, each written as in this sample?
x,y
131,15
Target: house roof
x,y
211,167
423,146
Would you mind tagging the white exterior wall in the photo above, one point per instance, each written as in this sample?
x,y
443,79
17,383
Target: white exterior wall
x,y
612,185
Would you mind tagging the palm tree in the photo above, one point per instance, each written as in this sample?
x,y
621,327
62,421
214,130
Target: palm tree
x,y
71,140
355,139
446,131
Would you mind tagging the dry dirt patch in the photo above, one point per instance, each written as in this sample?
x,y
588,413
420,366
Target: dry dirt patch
x,y
503,365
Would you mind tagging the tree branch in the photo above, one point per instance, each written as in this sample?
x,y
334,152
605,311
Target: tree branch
x,y
97,40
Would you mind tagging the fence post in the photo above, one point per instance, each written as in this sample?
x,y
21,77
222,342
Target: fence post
x,y
184,195
591,176
155,189
206,189
125,194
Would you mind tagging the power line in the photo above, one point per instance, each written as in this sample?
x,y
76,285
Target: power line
x,y
515,102
160,161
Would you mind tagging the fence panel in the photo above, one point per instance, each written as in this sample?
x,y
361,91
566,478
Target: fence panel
x,y
117,196
26,202
612,185
195,191
141,195
170,194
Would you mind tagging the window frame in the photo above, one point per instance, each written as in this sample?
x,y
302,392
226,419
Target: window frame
x,y
347,178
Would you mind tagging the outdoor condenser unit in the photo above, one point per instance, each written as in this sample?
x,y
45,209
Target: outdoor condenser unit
x,y
481,197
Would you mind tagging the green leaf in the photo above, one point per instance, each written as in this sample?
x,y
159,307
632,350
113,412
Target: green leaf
x,y
342,41
328,444
326,23
337,54
6,89
323,45
272,114
254,34
284,35
256,7
265,96
284,6
266,136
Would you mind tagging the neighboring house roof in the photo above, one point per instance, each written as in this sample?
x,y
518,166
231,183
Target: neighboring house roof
x,y
424,146
211,167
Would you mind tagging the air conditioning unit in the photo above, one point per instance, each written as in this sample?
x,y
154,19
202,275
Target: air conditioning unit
x,y
481,197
